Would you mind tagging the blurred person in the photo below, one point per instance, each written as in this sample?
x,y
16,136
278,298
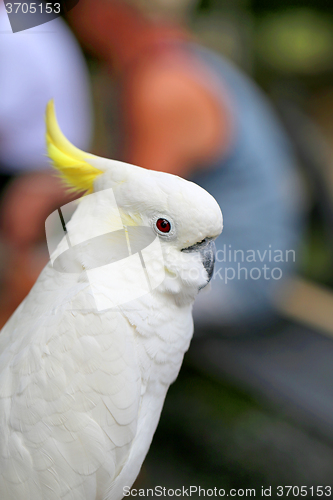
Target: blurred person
x,y
188,111
36,65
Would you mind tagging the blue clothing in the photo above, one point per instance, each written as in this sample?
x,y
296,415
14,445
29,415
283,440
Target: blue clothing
x,y
257,188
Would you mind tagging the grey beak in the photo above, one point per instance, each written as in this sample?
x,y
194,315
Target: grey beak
x,y
207,254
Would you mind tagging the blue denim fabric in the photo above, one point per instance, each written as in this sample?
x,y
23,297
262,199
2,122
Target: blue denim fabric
x,y
257,187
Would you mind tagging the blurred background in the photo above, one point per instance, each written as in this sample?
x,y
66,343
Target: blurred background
x,y
257,409
253,404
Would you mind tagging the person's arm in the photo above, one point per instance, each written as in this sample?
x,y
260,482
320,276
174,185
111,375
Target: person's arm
x,y
174,122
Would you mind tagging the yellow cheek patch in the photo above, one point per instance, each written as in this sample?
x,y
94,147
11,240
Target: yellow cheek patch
x,y
130,219
70,161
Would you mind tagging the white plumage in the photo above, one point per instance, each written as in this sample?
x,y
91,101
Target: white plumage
x,y
81,390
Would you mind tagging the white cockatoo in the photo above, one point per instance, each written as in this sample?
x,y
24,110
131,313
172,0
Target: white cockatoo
x,y
87,358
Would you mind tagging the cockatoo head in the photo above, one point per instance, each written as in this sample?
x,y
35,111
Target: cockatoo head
x,y
185,218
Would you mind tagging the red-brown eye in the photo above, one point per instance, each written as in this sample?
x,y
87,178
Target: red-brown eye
x,y
163,225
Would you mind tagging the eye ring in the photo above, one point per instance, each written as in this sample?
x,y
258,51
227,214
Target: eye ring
x,y
163,226
167,230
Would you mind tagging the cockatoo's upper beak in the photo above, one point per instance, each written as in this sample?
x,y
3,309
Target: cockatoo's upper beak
x,y
207,253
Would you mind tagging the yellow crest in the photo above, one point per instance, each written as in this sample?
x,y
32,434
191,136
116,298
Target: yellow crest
x,y
70,161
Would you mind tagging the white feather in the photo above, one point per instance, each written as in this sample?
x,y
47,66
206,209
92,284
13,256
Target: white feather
x,y
81,390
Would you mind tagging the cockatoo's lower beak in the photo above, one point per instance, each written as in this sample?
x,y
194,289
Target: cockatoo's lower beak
x,y
206,248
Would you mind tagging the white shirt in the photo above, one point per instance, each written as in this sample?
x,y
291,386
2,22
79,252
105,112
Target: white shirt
x,y
36,65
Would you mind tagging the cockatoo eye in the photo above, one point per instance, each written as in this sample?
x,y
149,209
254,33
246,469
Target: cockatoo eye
x,y
163,225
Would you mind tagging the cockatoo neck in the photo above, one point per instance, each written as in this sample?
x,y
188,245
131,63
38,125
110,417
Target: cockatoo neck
x,y
184,277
